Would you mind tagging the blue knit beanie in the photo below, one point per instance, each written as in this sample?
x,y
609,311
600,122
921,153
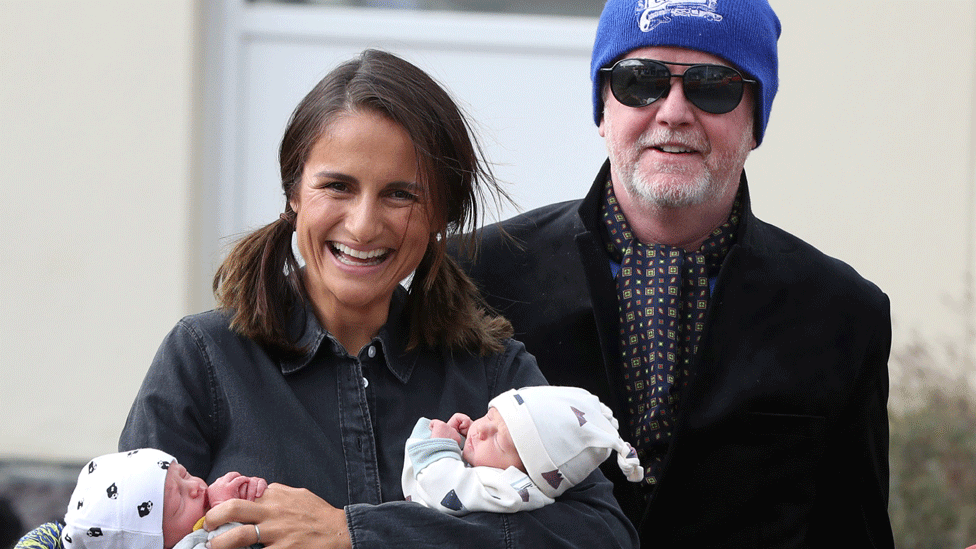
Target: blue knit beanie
x,y
743,32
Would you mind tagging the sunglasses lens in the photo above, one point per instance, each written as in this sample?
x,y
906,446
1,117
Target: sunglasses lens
x,y
639,82
713,88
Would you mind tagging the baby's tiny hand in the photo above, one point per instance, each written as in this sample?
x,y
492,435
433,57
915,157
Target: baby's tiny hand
x,y
233,485
252,488
460,422
439,429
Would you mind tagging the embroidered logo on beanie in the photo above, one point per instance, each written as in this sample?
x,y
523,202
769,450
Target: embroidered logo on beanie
x,y
659,12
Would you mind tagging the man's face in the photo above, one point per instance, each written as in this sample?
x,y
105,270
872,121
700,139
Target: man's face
x,y
671,154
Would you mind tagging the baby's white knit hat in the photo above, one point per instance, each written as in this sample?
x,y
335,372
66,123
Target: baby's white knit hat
x,y
118,502
562,434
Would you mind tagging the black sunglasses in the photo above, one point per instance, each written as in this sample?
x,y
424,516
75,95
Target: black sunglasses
x,y
715,89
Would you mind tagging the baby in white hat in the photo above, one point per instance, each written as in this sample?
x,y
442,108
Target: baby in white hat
x,y
144,499
532,445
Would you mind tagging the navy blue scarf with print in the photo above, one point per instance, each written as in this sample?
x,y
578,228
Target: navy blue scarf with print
x,y
662,294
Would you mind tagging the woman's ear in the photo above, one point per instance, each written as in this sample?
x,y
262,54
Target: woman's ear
x,y
438,229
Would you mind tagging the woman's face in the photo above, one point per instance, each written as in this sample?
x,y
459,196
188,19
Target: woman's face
x,y
362,216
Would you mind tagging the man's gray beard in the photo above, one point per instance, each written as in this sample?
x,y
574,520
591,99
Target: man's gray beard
x,y
673,190
673,194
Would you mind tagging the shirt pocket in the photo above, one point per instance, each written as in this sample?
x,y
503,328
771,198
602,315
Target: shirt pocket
x,y
789,425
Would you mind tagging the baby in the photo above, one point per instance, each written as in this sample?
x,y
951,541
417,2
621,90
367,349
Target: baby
x,y
145,499
532,445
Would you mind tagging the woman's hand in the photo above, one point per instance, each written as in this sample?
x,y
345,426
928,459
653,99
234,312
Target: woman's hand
x,y
288,518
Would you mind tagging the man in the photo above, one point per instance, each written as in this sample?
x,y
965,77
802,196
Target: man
x,y
749,369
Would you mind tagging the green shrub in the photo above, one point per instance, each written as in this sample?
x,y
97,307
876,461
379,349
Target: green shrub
x,y
932,413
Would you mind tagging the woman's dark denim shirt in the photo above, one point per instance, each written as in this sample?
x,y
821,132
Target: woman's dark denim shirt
x,y
336,423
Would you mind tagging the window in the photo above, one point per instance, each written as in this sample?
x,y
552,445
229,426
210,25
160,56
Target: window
x,y
589,8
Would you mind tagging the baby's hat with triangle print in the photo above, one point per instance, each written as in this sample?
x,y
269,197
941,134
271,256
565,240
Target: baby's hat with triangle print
x,y
118,502
562,434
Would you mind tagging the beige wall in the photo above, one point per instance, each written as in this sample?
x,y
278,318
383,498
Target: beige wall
x,y
870,150
869,155
95,167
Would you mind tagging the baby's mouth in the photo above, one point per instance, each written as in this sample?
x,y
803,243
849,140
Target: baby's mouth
x,y
356,258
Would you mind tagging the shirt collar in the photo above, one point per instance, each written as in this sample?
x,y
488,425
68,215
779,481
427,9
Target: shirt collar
x,y
390,342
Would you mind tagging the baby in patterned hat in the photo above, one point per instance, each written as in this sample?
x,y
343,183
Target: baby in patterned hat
x,y
144,499
532,445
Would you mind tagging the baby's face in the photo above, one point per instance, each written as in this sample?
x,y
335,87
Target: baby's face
x,y
488,443
184,502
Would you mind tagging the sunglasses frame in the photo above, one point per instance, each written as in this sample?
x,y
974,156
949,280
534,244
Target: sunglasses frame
x,y
664,93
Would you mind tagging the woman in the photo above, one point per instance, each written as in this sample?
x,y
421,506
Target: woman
x,y
314,376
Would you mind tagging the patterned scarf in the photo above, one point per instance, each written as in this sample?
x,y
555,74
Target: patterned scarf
x,y
662,293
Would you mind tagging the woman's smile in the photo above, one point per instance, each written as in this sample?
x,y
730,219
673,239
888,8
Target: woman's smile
x,y
356,258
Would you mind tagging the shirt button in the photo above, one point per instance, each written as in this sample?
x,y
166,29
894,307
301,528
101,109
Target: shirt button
x,y
371,352
365,383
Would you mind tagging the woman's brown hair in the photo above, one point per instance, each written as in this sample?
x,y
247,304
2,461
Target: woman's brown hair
x,y
260,281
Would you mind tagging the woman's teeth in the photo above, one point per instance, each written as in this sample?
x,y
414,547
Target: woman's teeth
x,y
349,256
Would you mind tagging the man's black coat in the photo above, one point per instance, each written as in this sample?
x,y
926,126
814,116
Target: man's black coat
x,y
781,439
